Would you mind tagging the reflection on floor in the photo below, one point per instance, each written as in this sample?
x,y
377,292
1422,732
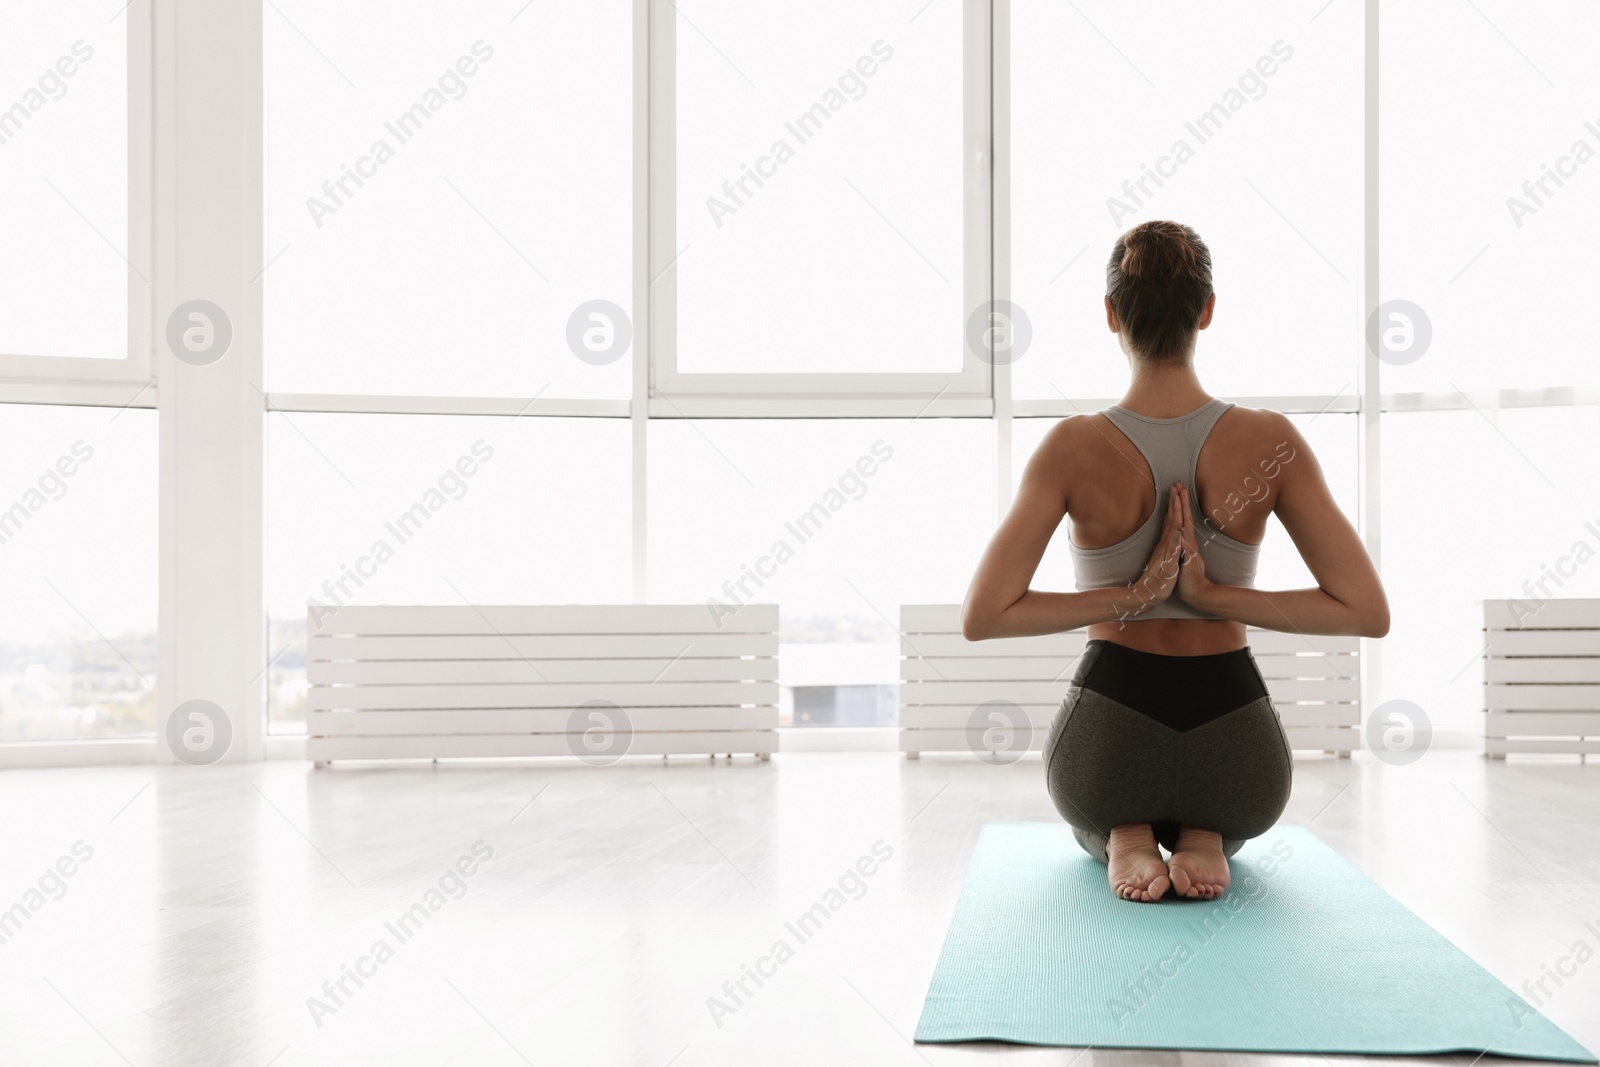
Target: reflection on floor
x,y
547,913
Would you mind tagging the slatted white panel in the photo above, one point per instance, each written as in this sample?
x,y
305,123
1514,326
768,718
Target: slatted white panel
x,y
428,681
1541,676
1315,681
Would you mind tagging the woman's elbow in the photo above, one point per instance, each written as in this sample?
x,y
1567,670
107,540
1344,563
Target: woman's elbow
x,y
1365,612
976,625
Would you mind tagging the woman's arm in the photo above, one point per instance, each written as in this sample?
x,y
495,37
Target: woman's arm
x,y
999,602
1349,597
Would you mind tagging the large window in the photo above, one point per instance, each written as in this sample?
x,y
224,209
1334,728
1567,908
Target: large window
x,y
808,203
819,188
840,519
78,564
824,203
1243,122
448,189
1491,181
74,175
691,267
1478,505
78,505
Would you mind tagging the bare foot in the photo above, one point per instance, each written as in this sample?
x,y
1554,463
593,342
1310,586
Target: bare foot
x,y
1136,869
1199,869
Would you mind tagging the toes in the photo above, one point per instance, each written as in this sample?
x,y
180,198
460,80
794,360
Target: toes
x,y
1154,890
1143,895
1194,887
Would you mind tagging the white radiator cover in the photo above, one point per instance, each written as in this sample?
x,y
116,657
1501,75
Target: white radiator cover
x,y
1541,676
433,681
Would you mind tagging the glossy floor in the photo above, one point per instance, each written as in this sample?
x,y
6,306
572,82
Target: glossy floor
x,y
580,915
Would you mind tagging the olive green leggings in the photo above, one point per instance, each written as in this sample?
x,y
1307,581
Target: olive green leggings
x,y
1173,741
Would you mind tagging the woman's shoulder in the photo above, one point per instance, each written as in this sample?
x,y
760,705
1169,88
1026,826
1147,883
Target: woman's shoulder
x,y
1080,435
1252,424
1259,418
1244,432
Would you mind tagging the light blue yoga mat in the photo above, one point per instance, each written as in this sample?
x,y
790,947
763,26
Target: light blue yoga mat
x,y
1302,954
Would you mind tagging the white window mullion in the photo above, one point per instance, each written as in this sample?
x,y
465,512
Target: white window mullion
x,y
1000,236
662,219
1371,410
212,641
644,319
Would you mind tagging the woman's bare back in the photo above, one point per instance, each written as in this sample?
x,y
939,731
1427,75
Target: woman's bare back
x,y
1255,464
1110,494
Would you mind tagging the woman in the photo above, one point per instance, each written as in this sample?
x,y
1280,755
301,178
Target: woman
x,y
1167,736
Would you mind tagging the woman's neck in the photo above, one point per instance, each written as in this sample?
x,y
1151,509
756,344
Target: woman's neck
x,y
1163,390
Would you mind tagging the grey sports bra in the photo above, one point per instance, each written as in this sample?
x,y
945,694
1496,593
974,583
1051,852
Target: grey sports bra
x,y
1171,447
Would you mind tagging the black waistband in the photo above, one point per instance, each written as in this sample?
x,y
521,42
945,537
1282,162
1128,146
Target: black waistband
x,y
1181,692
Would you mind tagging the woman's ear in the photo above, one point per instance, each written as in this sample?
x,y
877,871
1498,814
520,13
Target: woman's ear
x,y
1205,316
1111,316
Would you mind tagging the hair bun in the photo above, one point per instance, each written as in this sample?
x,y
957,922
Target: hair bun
x,y
1158,252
